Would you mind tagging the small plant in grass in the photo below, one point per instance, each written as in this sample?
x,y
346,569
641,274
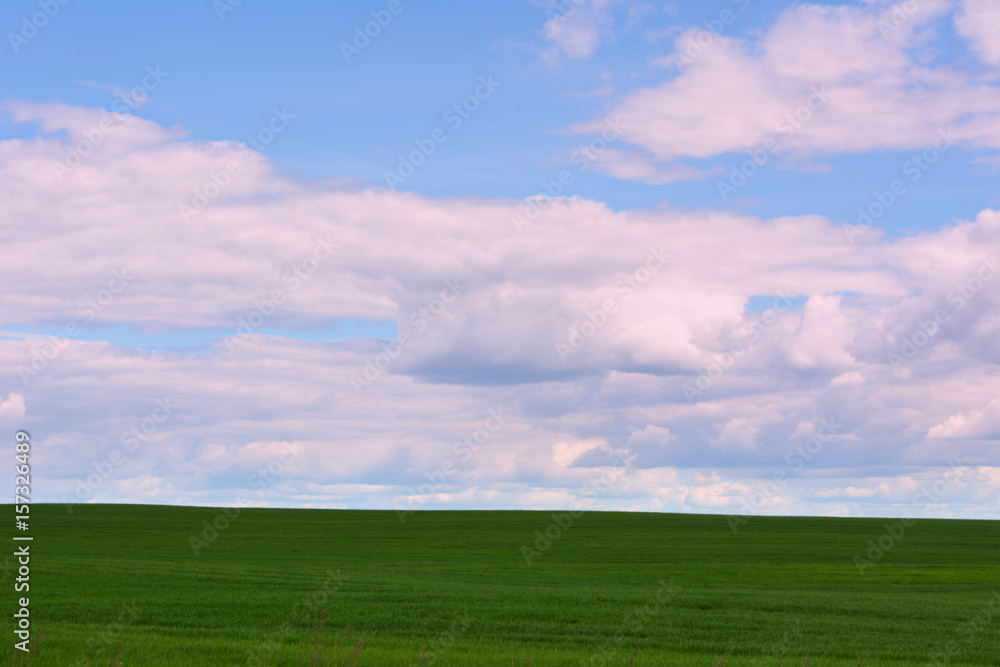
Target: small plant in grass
x,y
117,659
631,658
326,650
524,659
423,659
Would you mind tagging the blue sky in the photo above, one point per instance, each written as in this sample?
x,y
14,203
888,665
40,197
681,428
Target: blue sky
x,y
540,81
355,119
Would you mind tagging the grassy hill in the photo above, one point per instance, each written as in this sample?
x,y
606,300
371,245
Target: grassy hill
x,y
159,586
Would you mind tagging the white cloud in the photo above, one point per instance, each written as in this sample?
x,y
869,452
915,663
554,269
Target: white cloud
x,y
850,379
650,436
495,344
634,166
823,334
977,21
970,424
12,407
824,79
576,28
739,433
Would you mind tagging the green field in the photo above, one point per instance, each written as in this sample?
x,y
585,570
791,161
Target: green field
x,y
454,588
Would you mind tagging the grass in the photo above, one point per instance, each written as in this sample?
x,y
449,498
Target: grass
x,y
121,585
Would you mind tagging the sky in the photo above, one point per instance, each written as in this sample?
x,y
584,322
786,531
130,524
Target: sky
x,y
731,256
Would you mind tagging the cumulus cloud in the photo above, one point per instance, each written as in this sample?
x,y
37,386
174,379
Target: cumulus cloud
x,y
823,79
739,433
651,435
582,330
977,21
12,407
630,165
971,424
575,28
823,334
